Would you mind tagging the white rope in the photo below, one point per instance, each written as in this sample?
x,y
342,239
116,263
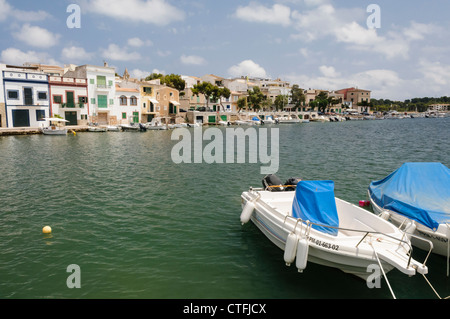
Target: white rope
x,y
381,267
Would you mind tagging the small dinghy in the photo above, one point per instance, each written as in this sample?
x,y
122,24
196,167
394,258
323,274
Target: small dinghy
x,y
416,197
310,224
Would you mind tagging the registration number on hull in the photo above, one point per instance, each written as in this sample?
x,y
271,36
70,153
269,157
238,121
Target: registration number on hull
x,y
323,244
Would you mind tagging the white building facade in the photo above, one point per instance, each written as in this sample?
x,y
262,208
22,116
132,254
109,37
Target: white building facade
x,y
101,90
25,96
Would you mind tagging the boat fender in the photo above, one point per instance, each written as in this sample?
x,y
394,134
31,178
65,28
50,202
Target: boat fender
x,y
290,248
247,212
302,254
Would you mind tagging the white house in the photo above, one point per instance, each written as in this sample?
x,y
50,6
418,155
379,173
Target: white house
x,y
101,90
25,96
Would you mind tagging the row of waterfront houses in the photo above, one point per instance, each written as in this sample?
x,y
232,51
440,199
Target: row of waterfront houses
x,y
96,94
81,95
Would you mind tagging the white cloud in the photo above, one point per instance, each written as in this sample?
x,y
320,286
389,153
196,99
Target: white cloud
x,y
139,74
192,59
158,12
27,16
247,68
74,53
329,71
17,57
116,53
36,36
137,42
254,12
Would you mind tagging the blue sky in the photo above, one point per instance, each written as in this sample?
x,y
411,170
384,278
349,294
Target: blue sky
x,y
321,44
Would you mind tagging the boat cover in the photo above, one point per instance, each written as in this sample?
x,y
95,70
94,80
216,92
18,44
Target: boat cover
x,y
314,201
419,191
255,118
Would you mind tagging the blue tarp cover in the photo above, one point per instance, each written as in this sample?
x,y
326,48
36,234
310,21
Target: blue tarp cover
x,y
419,191
255,118
314,201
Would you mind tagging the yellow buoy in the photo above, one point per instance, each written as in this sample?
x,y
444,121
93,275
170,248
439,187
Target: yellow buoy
x,y
47,230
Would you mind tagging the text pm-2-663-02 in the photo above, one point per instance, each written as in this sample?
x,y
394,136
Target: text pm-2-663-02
x,y
233,308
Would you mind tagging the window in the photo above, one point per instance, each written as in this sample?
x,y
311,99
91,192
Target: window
x,y
82,99
147,89
40,115
123,100
133,100
101,81
28,96
13,95
91,81
42,95
92,100
111,101
57,99
124,115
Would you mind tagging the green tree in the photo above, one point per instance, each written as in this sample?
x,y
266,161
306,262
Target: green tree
x,y
298,96
281,101
242,103
205,88
255,97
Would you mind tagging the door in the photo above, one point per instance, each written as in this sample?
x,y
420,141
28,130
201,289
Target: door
x,y
102,101
135,117
150,117
102,118
71,117
70,100
21,118
28,96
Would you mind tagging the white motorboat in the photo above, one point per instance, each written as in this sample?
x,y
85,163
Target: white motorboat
x,y
310,224
96,129
288,119
417,196
113,128
55,126
268,119
243,122
133,127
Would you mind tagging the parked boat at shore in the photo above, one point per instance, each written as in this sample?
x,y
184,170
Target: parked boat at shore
x,y
288,119
55,126
416,197
311,224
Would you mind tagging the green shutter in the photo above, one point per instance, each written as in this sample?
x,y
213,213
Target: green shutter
x,y
92,100
92,81
136,117
102,101
101,81
69,99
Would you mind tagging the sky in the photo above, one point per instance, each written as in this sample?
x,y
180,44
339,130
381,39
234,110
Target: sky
x,y
399,51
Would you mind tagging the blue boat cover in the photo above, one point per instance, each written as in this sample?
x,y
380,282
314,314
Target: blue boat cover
x,y
314,201
255,118
419,191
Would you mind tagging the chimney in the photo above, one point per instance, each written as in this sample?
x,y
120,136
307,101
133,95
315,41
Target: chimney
x,y
105,64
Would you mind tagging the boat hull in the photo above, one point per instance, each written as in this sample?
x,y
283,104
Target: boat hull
x,y
438,238
351,254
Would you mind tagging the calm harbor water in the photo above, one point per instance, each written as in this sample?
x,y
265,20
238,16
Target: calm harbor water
x,y
140,226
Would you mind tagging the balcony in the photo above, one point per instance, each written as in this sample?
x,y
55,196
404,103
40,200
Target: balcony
x,y
103,87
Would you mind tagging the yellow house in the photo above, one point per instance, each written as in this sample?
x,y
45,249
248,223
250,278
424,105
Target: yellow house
x,y
159,101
